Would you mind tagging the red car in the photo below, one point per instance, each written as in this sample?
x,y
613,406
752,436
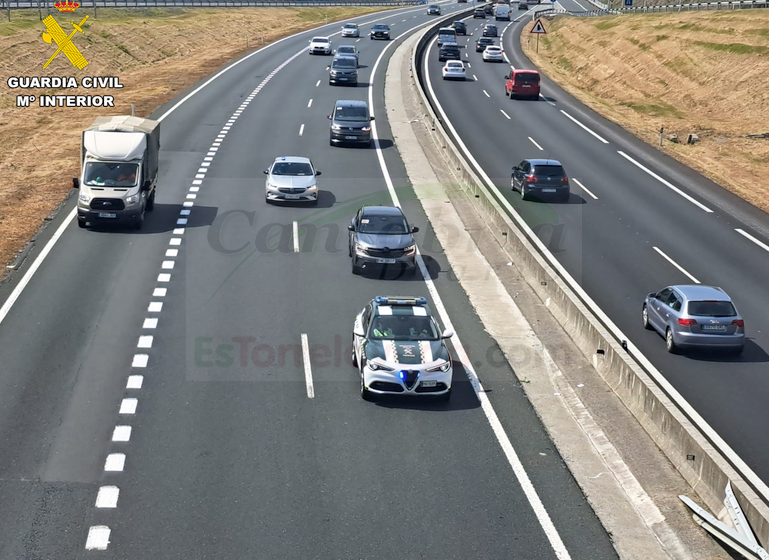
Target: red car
x,y
522,83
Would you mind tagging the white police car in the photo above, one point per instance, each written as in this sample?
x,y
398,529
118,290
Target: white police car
x,y
399,349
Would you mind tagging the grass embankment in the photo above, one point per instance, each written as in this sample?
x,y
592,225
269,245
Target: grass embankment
x,y
157,53
701,73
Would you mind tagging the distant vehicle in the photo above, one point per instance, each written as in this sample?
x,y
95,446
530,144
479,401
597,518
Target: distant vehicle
x,y
449,51
320,45
348,50
488,9
119,159
540,177
522,83
381,235
343,71
350,30
461,1
380,31
479,13
502,12
694,316
482,42
454,70
523,5
490,30
447,35
291,178
493,53
350,123
460,27
398,348
434,10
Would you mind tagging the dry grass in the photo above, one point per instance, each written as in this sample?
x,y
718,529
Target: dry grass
x,y
156,53
702,73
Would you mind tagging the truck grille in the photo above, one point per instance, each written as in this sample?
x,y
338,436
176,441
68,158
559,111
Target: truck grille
x,y
107,204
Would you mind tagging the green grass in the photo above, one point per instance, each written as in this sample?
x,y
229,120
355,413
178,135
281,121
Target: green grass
x,y
564,63
734,48
658,109
662,37
603,44
759,32
607,24
633,40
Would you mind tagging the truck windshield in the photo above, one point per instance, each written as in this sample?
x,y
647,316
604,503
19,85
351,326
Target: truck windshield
x,y
106,174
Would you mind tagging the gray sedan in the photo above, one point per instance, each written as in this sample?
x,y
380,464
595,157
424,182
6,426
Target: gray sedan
x,y
380,235
694,316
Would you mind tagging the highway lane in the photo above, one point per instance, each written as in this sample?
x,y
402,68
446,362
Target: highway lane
x,y
608,236
233,460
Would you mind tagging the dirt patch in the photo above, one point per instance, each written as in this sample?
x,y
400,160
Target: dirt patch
x,y
701,73
157,53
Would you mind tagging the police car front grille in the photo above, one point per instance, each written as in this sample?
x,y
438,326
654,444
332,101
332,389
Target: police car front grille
x,y
385,386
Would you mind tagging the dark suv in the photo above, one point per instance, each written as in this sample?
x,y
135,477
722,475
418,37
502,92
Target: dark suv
x,y
380,31
449,51
343,71
538,177
350,123
482,43
479,13
381,235
460,27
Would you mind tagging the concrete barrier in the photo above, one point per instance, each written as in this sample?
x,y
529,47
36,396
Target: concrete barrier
x,y
701,463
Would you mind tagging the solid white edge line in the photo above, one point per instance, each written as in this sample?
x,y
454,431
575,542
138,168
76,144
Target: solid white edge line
x,y
296,236
584,127
584,188
675,264
98,538
535,143
745,234
664,182
307,366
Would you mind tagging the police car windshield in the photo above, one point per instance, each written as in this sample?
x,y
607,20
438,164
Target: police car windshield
x,y
403,327
383,225
291,168
103,174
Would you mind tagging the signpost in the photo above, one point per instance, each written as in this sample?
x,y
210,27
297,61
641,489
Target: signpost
x,y
539,29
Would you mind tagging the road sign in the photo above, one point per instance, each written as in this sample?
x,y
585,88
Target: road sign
x,y
538,28
628,2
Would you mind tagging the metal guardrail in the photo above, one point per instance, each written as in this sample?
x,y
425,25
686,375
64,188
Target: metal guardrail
x,y
48,4
699,6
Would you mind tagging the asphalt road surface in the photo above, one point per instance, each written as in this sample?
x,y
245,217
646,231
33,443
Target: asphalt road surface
x,y
636,222
163,371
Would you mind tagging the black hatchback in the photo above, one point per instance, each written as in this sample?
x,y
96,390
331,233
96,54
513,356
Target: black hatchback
x,y
460,27
482,43
540,177
449,51
479,13
489,30
350,123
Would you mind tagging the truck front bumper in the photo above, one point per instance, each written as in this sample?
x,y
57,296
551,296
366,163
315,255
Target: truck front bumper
x,y
119,216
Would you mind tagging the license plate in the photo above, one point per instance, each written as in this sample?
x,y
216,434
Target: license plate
x,y
292,196
431,383
342,79
548,190
713,327
107,215
525,86
351,137
386,261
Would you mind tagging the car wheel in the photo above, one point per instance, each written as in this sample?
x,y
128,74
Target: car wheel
x,y
645,314
151,202
670,344
355,267
365,394
353,357
330,142
140,222
524,194
315,201
81,223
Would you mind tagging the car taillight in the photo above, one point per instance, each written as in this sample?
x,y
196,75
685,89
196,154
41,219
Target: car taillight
x,y
687,322
739,322
564,180
531,179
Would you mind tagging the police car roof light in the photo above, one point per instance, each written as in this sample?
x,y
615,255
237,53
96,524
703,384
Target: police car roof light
x,y
390,300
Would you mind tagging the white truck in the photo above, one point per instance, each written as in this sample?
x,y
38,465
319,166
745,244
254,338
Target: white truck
x,y
119,170
502,12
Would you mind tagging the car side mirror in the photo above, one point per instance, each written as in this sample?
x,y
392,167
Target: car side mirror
x,y
147,185
75,183
317,172
414,229
652,295
266,171
371,118
329,117
448,333
351,227
507,77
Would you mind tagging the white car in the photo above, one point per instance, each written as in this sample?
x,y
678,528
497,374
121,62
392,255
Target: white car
x,y
291,178
399,350
350,30
453,70
493,53
320,45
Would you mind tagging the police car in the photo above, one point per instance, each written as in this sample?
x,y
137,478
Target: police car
x,y
399,349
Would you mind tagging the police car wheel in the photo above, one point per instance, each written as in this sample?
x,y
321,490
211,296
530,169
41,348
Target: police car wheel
x,y
353,357
365,394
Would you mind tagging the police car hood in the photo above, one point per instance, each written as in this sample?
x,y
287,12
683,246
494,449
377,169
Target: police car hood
x,y
380,241
407,352
292,180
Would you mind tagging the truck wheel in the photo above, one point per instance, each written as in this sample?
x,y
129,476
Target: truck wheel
x,y
140,222
151,201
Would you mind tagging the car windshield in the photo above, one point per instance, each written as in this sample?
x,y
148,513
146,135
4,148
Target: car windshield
x,y
526,77
403,327
548,170
104,174
351,26
381,27
320,40
343,63
391,224
711,309
291,168
351,114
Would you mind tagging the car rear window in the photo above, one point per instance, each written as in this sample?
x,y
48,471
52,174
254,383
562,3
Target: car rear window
x,y
711,309
527,77
548,170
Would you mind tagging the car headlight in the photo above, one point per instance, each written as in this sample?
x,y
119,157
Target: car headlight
x,y
410,249
374,366
444,367
366,129
336,127
361,249
133,199
82,197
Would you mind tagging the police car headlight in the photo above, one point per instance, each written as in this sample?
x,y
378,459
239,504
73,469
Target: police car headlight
x,y
82,197
444,367
133,199
373,366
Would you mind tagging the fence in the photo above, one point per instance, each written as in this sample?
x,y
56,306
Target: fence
x,y
48,4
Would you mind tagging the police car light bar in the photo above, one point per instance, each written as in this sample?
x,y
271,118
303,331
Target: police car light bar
x,y
395,300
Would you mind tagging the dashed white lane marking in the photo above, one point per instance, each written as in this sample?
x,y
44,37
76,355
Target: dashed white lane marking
x,y
475,77
746,235
128,406
184,212
664,182
316,85
307,368
155,307
134,382
107,497
145,341
309,104
468,65
301,129
121,433
188,203
167,265
296,237
584,188
115,462
150,323
675,264
159,292
501,111
179,231
177,240
535,143
164,277
140,360
486,93
172,252
98,537
584,127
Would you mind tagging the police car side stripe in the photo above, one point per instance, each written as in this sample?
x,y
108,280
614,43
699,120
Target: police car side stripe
x,y
426,352
389,351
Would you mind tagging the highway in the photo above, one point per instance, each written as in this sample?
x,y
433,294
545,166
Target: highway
x,y
185,391
636,221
